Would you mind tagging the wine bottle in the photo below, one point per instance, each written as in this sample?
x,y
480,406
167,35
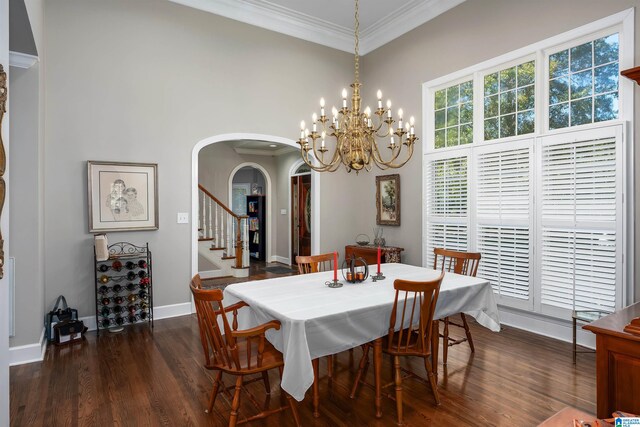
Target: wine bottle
x,y
132,298
131,275
106,301
117,309
117,288
104,278
144,283
116,265
131,286
103,289
103,267
118,299
132,319
142,263
130,265
105,322
144,306
105,312
119,321
133,308
142,274
143,315
142,295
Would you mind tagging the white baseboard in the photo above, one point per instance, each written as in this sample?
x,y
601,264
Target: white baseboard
x,y
547,326
212,274
29,353
280,259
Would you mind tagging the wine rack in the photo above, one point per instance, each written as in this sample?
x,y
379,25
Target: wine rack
x,y
124,291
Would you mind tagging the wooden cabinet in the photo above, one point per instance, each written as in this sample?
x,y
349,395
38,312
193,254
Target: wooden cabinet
x,y
617,363
370,253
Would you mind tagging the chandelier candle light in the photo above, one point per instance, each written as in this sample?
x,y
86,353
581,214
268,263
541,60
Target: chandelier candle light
x,y
359,140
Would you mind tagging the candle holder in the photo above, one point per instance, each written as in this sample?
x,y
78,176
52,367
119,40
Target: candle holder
x,y
377,276
333,284
355,270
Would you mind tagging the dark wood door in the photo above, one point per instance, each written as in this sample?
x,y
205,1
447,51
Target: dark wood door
x,y
301,221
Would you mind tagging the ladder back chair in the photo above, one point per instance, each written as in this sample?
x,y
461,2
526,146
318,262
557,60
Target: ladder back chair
x,y
410,334
314,264
465,263
235,352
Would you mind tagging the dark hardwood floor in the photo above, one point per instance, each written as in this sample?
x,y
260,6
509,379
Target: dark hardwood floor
x,y
142,377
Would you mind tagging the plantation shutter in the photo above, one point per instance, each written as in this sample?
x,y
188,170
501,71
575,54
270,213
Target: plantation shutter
x,y
504,203
446,192
580,214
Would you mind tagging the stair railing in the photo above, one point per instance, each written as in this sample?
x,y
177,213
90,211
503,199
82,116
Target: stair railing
x,y
226,229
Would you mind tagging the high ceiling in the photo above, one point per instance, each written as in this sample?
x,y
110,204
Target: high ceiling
x,y
331,22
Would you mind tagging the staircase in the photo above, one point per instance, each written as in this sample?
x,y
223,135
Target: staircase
x,y
223,239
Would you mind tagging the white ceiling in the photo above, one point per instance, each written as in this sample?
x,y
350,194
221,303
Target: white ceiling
x,y
330,22
259,148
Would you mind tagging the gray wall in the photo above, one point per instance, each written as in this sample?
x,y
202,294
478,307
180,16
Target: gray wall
x,y
25,205
473,32
145,81
4,283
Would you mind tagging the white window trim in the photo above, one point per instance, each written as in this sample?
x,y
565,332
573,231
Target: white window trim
x,y
622,22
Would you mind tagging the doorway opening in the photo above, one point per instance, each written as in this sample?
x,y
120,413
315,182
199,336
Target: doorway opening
x,y
301,212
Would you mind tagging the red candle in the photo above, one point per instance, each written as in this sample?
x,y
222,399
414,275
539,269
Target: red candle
x,y
335,266
378,259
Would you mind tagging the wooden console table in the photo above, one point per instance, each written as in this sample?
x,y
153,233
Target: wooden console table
x,y
370,253
617,362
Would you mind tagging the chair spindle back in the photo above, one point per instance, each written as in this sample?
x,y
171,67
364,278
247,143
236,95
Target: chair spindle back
x,y
314,263
465,263
415,304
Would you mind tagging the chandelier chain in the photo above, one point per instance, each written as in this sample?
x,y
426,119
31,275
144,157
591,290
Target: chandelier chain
x,y
357,47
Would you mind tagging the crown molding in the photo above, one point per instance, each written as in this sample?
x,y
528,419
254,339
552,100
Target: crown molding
x,y
261,152
405,19
21,60
270,16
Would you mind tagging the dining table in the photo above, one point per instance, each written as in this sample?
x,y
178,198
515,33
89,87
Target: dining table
x,y
318,320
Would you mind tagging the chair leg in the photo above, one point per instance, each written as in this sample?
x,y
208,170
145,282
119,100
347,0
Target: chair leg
x,y
233,419
316,388
398,381
214,392
330,366
294,409
445,341
265,379
363,363
467,331
432,380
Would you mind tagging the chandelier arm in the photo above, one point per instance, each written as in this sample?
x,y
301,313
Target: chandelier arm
x,y
305,158
390,163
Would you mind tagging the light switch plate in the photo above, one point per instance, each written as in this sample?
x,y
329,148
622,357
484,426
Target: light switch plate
x,y
283,211
183,218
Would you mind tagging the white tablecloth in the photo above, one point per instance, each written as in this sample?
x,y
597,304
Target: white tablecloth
x,y
318,320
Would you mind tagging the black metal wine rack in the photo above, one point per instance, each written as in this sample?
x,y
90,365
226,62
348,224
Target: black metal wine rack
x,y
123,288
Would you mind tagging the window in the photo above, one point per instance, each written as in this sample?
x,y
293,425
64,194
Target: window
x,y
453,111
446,181
538,187
583,83
509,101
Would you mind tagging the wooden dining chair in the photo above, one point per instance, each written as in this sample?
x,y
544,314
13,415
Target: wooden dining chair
x,y
410,332
235,352
465,263
314,263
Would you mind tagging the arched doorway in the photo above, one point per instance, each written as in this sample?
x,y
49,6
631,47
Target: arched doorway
x,y
300,195
315,200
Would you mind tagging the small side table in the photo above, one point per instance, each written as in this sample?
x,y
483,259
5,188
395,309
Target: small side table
x,y
584,316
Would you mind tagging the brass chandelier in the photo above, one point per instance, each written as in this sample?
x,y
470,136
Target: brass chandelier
x,y
359,140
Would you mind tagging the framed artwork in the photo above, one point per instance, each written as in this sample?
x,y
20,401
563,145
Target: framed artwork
x,y
388,199
122,196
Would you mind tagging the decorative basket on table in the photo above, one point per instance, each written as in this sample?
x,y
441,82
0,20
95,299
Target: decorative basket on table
x,y
362,240
355,270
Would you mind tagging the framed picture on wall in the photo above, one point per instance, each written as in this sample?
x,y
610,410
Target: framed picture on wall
x,y
388,200
122,196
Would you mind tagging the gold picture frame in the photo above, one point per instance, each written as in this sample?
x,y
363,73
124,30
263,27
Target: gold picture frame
x,y
388,199
122,196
